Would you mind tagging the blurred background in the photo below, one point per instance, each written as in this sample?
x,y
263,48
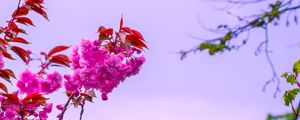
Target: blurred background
x,y
226,86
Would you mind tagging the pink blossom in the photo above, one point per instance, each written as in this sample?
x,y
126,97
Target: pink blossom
x,y
11,111
43,115
60,107
34,83
28,82
95,67
48,108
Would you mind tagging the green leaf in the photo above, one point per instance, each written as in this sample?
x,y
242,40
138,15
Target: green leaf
x,y
228,36
291,79
203,46
290,95
266,14
212,51
213,48
287,116
275,12
296,67
284,75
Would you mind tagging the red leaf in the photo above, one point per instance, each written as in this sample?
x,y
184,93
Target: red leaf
x,y
5,76
136,42
10,99
121,24
35,1
38,9
24,20
137,34
103,37
34,98
19,31
77,101
101,28
14,27
21,11
107,31
3,42
87,97
127,29
10,73
19,40
23,54
6,54
57,49
61,59
3,87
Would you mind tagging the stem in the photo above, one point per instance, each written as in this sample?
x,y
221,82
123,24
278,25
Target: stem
x,y
66,107
22,116
298,109
14,15
82,109
293,108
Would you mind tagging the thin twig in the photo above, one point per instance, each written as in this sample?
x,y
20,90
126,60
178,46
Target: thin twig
x,y
82,109
66,107
267,52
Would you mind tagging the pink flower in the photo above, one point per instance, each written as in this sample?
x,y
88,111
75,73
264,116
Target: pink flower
x,y
75,58
43,115
71,84
48,108
28,82
94,67
55,81
33,83
104,97
60,107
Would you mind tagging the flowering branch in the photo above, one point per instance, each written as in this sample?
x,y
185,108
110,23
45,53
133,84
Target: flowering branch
x,y
110,59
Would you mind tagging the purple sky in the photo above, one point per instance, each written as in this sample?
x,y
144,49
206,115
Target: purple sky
x,y
226,86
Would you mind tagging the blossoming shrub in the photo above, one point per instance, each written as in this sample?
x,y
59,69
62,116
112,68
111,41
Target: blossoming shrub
x,y
97,65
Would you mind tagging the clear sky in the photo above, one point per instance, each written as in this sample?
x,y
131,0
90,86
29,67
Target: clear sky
x,y
223,87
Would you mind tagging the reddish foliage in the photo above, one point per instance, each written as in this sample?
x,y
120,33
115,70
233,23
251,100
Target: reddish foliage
x,y
19,40
21,11
57,49
23,54
34,98
61,60
3,87
24,20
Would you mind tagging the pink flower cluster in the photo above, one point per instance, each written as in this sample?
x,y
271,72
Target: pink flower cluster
x,y
18,111
97,68
35,83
